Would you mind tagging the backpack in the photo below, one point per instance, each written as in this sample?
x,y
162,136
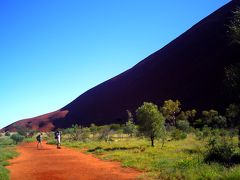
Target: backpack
x,y
38,138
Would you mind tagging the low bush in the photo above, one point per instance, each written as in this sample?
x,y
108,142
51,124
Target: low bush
x,y
17,138
221,150
105,134
177,134
183,125
221,153
7,151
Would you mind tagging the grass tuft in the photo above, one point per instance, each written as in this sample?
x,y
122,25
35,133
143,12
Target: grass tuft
x,y
7,151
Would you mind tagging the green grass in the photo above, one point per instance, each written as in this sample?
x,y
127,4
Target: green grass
x,y
30,139
181,159
7,151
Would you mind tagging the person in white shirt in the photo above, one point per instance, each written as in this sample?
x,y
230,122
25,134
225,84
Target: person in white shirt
x,y
58,138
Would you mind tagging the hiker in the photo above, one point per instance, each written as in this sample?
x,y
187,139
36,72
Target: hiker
x,y
39,140
58,138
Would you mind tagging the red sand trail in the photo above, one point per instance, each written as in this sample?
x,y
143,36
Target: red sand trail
x,y
50,163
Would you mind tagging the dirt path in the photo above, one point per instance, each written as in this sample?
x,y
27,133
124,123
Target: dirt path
x,y
50,163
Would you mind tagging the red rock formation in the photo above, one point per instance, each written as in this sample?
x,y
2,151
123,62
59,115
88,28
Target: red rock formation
x,y
190,68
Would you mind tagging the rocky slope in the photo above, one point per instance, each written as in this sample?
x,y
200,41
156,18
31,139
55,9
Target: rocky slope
x,y
190,68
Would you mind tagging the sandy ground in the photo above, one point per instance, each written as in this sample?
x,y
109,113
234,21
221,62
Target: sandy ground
x,y
50,163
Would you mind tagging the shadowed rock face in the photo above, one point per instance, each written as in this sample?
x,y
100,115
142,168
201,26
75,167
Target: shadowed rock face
x,y
190,68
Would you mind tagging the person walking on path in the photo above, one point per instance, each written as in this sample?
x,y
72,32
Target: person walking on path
x,y
58,138
39,140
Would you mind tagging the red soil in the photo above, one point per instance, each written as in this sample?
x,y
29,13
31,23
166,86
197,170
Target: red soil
x,y
50,163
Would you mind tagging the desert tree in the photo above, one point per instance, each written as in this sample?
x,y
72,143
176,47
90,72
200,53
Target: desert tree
x,y
208,116
94,129
213,119
151,122
170,109
191,114
232,81
234,27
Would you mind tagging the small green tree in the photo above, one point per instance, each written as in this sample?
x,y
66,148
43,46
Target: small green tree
x,y
151,121
191,114
213,119
130,128
219,122
170,109
94,129
208,117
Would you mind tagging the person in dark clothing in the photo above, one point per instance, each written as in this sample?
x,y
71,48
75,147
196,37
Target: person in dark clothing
x,y
39,140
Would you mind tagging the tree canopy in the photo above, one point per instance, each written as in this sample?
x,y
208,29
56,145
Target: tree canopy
x,y
151,121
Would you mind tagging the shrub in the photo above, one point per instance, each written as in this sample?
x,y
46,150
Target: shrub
x,y
105,133
221,149
94,129
221,153
85,133
130,128
198,123
115,127
236,158
75,132
178,134
17,138
78,133
183,125
198,134
206,131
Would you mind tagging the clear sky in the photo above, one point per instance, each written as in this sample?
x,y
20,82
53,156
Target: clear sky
x,y
52,51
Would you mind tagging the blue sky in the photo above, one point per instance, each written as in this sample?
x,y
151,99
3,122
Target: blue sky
x,y
53,51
